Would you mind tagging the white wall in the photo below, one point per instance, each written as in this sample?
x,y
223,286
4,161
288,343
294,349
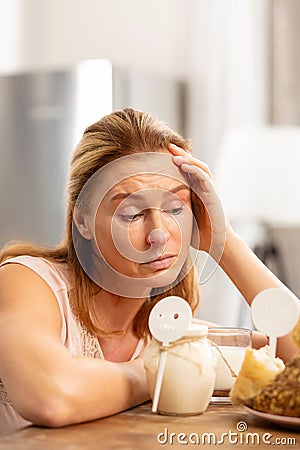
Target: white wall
x,y
228,69
37,34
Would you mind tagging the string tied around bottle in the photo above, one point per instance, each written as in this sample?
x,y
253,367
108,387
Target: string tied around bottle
x,y
194,338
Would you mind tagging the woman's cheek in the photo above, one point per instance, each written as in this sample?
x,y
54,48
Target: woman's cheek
x,y
185,223
136,236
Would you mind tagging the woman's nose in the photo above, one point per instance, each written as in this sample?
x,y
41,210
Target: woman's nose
x,y
159,234
156,237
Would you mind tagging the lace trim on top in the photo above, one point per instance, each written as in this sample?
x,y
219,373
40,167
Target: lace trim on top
x,y
3,395
90,344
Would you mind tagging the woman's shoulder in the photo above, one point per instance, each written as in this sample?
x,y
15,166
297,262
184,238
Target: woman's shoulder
x,y
54,273
22,285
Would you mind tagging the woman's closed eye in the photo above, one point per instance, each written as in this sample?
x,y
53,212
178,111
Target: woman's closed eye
x,y
130,217
174,207
134,217
174,211
130,214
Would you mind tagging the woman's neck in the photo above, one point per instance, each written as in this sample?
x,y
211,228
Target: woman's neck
x,y
115,313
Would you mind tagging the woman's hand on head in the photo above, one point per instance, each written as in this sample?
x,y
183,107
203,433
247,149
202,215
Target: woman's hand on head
x,y
210,233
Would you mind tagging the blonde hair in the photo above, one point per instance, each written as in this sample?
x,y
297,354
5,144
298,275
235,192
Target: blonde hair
x,y
116,135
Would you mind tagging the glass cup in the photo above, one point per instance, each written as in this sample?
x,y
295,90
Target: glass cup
x,y
231,344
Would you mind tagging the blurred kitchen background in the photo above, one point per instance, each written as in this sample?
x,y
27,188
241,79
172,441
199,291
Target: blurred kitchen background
x,y
223,72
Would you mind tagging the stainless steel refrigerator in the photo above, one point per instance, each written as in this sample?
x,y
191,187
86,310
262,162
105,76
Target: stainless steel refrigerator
x,y
43,115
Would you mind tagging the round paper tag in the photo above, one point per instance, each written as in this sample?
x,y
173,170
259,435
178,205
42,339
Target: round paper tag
x,y
170,318
275,312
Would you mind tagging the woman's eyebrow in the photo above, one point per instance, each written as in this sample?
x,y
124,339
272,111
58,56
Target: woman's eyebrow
x,y
123,195
140,196
180,187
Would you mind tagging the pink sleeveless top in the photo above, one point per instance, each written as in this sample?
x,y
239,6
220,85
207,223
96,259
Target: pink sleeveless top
x,y
74,337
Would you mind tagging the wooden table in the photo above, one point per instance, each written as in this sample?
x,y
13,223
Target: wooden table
x,y
139,429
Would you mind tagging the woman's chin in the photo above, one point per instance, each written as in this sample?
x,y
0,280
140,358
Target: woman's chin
x,y
164,278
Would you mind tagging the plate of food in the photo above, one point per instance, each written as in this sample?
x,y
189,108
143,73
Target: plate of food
x,y
268,388
286,421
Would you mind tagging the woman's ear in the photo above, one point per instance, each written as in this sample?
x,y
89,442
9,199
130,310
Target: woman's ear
x,y
82,224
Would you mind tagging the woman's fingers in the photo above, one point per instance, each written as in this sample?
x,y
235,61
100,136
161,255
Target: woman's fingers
x,y
180,155
202,185
200,175
177,150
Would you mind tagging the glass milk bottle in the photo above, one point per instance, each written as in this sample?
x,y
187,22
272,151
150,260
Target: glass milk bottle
x,y
232,344
189,374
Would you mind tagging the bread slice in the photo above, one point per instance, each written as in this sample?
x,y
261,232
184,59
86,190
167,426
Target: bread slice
x,y
257,371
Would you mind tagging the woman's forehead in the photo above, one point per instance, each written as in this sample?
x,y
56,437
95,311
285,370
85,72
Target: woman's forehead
x,y
141,170
139,174
143,164
144,181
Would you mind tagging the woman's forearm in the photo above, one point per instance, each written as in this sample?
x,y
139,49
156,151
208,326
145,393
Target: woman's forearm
x,y
88,389
244,269
109,389
251,276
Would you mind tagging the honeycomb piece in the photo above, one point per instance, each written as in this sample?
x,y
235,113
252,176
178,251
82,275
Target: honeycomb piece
x,y
282,396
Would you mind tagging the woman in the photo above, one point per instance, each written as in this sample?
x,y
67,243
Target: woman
x,y
73,319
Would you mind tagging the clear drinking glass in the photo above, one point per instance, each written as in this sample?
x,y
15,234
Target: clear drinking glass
x,y
232,344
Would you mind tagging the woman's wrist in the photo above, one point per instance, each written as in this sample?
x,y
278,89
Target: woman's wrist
x,y
136,373
232,242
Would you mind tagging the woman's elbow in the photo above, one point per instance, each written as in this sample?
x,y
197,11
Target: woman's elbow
x,y
259,340
53,407
52,412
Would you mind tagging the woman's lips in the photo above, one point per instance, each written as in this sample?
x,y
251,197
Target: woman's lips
x,y
161,263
